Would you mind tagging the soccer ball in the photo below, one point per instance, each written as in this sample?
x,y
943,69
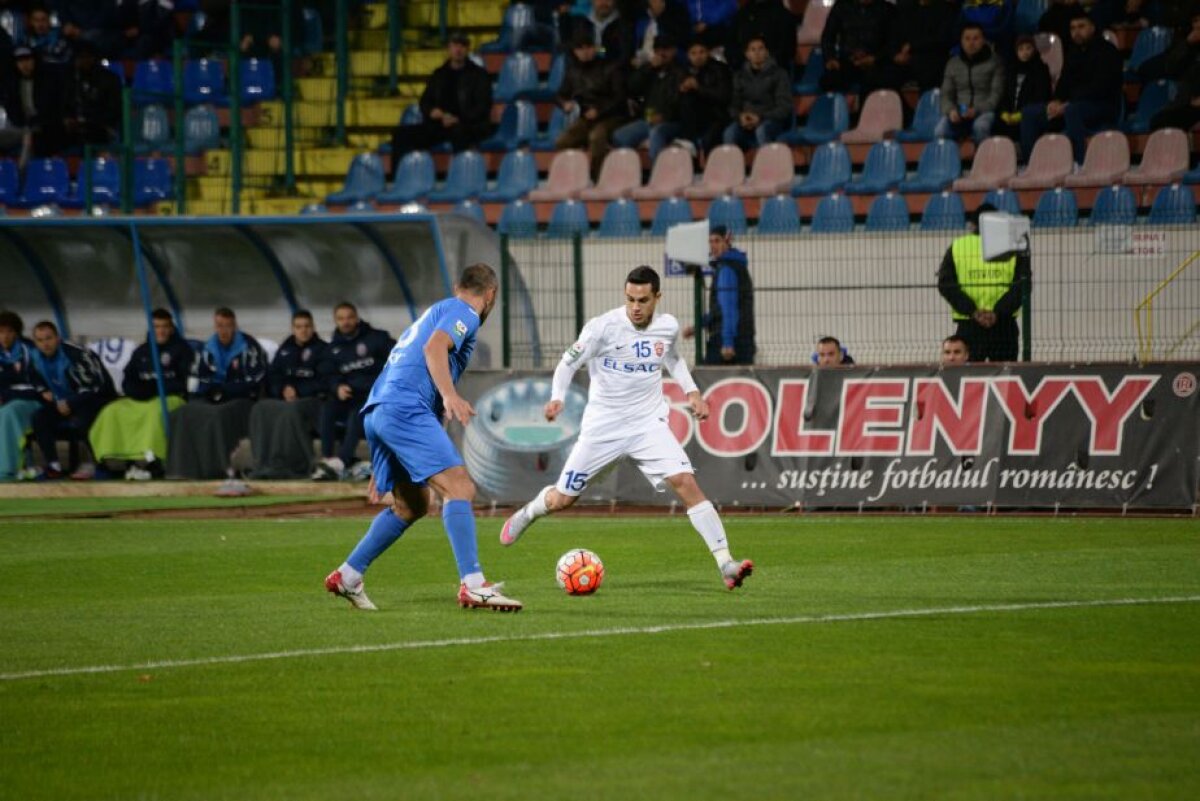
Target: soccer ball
x,y
579,572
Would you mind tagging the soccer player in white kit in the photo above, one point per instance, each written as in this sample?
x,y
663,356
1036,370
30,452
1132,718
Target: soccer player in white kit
x,y
626,350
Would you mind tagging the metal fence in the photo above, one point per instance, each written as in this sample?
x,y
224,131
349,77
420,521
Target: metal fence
x,y
877,293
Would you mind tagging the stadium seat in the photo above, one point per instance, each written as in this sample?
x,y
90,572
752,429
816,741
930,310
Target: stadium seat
x,y
620,219
671,174
813,22
518,17
153,129
829,171
728,211
828,118
204,82
518,126
1114,205
153,82
670,211
1149,43
884,170
152,182
518,220
469,208
778,215
257,78
414,179
1049,164
546,92
466,178
1004,200
9,182
925,118
1106,161
814,70
995,164
46,181
559,120
518,78
568,218
1192,176
1056,209
1151,100
888,212
201,129
1027,15
105,181
882,116
771,173
937,169
834,215
568,176
724,170
1164,161
516,178
364,180
1050,49
115,67
1173,205
943,212
620,174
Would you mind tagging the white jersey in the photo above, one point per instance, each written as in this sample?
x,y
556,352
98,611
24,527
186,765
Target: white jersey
x,y
626,365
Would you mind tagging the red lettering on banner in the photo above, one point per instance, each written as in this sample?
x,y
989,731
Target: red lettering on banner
x,y
960,423
715,437
679,418
790,437
1108,413
869,405
1027,413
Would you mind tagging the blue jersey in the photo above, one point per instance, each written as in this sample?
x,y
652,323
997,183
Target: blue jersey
x,y
405,381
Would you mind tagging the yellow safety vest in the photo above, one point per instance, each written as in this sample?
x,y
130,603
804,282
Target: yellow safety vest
x,y
984,282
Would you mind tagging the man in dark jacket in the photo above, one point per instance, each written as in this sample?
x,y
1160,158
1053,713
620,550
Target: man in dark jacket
x,y
75,386
92,21
92,101
762,99
771,20
597,89
729,323
355,356
456,106
922,34
854,43
32,97
653,91
1182,63
611,32
972,88
704,96
661,18
1087,98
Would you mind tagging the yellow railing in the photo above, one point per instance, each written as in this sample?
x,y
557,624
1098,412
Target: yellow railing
x,y
1145,332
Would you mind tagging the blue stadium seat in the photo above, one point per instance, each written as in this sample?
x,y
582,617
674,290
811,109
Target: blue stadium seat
x,y
518,126
153,82
518,175
925,118
559,120
1173,205
1192,176
810,80
1153,97
469,208
834,215
518,78
943,212
1056,208
46,181
517,18
9,182
829,171
1149,43
672,211
364,180
115,67
201,129
412,115
153,129
152,181
827,119
467,178
937,169
257,77
1028,14
104,178
204,82
1114,205
312,35
620,219
569,217
518,220
414,179
884,170
888,212
549,90
729,211
778,215
1004,200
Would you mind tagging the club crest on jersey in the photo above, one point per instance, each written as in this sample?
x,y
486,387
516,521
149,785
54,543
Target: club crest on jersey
x,y
305,354
460,328
658,349
361,350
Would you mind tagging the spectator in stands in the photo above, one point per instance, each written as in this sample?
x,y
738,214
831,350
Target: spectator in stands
x,y
75,388
92,21
1087,98
355,356
729,323
955,351
33,101
1178,58
996,17
92,107
712,20
597,89
653,91
661,18
611,33
282,424
771,20
984,296
1057,19
704,97
922,34
146,27
1026,83
832,353
854,43
761,105
972,88
19,397
130,429
44,39
230,370
456,106
1183,65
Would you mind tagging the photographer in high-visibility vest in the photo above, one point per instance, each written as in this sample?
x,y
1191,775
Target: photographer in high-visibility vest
x,y
984,296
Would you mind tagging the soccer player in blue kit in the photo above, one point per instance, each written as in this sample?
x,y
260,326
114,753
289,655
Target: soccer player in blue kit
x,y
410,449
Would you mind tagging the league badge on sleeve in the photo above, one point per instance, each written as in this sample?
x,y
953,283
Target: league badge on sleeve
x,y
460,328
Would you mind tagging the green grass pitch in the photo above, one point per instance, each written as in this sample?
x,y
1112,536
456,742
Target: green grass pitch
x,y
1020,699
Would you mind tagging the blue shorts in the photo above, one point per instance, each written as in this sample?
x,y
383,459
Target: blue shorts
x,y
407,446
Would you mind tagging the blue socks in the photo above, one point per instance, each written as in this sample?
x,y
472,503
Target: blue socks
x,y
385,529
459,519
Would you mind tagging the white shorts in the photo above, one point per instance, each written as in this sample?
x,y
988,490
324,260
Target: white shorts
x,y
655,451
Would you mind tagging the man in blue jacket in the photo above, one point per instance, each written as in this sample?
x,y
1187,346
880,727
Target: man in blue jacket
x,y
729,323
355,356
19,398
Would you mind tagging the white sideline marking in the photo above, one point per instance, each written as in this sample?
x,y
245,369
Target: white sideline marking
x,y
848,617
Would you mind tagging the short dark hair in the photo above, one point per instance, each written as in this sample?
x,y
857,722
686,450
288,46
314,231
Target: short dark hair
x,y
46,324
1081,14
162,314
959,340
10,319
830,341
644,275
345,304
719,230
478,278
224,311
972,26
299,314
755,37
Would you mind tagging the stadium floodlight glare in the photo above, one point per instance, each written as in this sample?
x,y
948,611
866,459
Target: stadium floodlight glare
x,y
687,243
1003,233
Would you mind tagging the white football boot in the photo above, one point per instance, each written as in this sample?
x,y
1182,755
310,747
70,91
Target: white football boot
x,y
356,596
489,596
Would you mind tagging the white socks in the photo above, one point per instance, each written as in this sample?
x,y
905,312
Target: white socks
x,y
537,507
707,522
473,581
336,463
350,576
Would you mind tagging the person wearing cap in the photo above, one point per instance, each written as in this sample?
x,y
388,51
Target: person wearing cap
x,y
456,105
653,91
32,98
1026,82
597,90
984,296
729,323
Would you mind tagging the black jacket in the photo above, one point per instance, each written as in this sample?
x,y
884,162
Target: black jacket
x,y
616,41
94,97
771,20
596,84
715,84
85,376
355,360
243,378
853,27
47,99
1025,82
469,98
297,366
1093,71
176,358
656,90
